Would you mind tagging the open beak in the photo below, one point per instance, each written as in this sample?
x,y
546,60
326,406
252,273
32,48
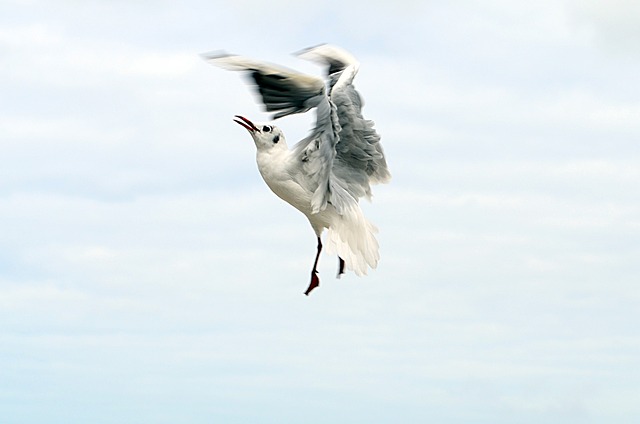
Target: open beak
x,y
245,123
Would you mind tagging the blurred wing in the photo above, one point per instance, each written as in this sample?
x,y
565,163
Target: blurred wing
x,y
287,92
282,90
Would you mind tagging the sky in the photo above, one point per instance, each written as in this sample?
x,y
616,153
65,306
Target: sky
x,y
147,274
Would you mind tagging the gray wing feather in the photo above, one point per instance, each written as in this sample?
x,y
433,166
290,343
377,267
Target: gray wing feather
x,y
282,90
286,93
360,158
357,158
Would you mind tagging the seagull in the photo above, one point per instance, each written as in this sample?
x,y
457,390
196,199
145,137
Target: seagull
x,y
325,174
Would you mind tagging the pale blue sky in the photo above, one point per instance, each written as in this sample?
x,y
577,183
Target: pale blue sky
x,y
147,275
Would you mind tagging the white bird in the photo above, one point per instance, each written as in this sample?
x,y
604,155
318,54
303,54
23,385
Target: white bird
x,y
325,174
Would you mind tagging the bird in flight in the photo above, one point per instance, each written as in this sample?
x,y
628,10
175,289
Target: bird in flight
x,y
325,174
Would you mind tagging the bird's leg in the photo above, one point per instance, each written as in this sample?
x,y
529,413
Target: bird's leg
x,y
315,281
340,267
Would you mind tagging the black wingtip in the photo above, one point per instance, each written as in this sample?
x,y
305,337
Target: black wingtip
x,y
303,51
214,54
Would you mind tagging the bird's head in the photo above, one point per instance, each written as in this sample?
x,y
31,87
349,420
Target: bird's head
x,y
266,136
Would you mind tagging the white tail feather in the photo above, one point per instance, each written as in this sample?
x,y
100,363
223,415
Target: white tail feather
x,y
351,237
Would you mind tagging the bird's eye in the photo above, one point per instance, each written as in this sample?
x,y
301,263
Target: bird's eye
x,y
276,139
266,128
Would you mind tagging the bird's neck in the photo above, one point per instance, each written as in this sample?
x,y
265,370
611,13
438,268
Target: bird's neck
x,y
272,161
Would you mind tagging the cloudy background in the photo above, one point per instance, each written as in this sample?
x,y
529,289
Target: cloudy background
x,y
147,275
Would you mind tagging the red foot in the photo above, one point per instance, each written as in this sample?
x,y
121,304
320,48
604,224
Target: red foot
x,y
315,282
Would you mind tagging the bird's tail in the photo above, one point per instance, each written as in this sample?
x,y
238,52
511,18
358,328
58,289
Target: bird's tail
x,y
352,237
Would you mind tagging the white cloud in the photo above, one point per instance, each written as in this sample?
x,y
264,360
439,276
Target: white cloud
x,y
613,25
28,36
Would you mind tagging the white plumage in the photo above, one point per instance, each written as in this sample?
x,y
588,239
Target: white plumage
x,y
325,174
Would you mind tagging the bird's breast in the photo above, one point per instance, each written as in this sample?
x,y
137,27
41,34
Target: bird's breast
x,y
280,180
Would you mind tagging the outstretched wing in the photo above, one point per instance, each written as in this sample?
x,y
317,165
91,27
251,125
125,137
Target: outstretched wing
x,y
286,92
359,159
282,90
